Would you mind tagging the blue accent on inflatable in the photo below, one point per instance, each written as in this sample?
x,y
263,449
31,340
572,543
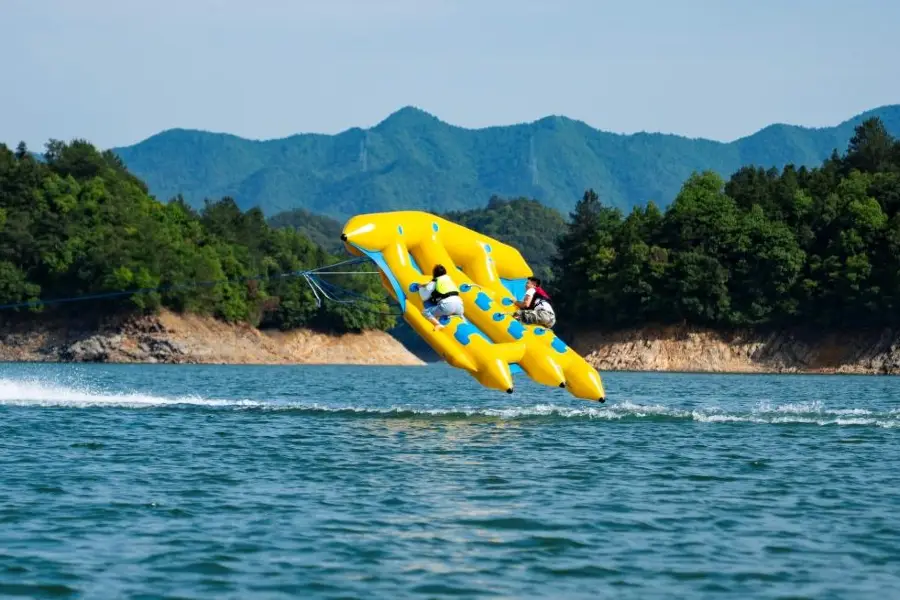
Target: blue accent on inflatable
x,y
434,226
483,301
400,229
516,287
487,247
465,330
515,369
465,287
516,329
506,302
414,287
378,259
480,332
415,265
498,316
539,331
558,345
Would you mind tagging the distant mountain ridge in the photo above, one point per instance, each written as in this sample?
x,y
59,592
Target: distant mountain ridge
x,y
413,160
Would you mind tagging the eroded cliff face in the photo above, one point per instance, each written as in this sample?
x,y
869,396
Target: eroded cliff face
x,y
174,338
688,349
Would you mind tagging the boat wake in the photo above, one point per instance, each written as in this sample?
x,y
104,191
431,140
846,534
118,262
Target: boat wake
x,y
37,393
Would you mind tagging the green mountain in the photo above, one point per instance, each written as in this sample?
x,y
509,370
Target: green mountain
x,y
412,160
324,231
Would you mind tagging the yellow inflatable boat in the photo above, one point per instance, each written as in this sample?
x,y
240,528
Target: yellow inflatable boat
x,y
487,341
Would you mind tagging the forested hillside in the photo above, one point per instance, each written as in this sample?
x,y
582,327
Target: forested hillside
x,y
323,231
766,248
795,247
78,223
412,160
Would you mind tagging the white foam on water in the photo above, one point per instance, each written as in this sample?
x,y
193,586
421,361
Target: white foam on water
x,y
37,392
811,414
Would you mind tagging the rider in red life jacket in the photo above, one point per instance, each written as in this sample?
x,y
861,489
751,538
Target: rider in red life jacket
x,y
535,306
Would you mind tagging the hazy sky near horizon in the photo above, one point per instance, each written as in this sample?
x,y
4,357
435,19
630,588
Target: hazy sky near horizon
x,y
115,72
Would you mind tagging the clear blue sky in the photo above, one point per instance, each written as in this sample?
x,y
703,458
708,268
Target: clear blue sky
x,y
118,71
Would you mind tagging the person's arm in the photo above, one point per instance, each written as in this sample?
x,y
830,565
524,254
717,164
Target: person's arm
x,y
424,290
526,301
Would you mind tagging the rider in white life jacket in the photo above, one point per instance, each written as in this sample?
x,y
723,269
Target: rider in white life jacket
x,y
535,306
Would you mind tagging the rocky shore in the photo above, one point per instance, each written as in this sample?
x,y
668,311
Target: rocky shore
x,y
175,338
686,349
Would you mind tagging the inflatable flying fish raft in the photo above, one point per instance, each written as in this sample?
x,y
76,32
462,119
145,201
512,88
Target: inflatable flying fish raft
x,y
487,342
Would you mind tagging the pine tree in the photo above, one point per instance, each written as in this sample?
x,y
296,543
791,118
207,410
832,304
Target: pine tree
x,y
584,258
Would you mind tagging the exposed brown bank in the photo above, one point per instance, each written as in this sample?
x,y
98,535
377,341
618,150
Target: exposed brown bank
x,y
688,349
176,338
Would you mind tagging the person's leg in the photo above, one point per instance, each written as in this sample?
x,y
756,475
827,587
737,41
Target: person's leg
x,y
527,316
448,307
453,306
429,313
438,311
545,318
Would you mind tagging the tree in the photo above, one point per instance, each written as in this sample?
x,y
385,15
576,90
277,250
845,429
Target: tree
x,y
814,247
765,268
584,257
702,217
79,224
871,148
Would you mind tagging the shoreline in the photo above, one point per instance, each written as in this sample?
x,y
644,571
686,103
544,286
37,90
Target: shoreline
x,y
684,349
172,338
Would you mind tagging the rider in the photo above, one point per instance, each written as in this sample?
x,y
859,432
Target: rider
x,y
444,299
535,307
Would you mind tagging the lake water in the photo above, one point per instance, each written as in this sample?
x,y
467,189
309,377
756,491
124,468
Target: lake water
x,y
393,482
